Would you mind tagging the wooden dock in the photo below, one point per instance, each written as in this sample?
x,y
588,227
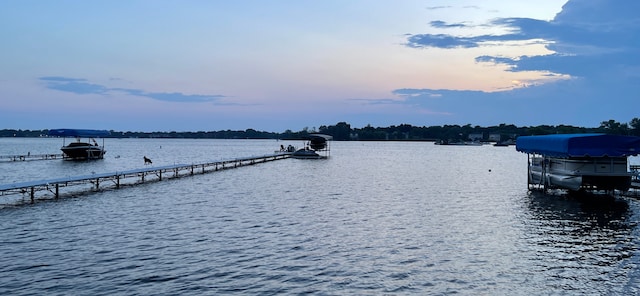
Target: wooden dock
x,y
29,156
40,189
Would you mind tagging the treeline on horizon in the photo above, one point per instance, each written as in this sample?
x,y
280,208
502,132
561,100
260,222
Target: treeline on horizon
x,y
343,131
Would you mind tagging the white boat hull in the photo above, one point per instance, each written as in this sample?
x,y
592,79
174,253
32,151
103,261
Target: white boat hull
x,y
575,174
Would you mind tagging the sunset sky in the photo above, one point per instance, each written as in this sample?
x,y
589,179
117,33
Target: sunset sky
x,y
275,65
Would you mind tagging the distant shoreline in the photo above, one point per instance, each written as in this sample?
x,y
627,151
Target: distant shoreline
x,y
343,131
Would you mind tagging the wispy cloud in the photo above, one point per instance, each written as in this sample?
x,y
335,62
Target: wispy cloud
x,y
376,101
441,41
424,93
78,86
441,24
83,86
437,7
521,29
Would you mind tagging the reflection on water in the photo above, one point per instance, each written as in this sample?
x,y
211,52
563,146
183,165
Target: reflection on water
x,y
583,236
376,218
591,212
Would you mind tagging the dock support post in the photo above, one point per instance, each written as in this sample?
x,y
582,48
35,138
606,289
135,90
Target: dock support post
x,y
117,181
543,175
97,184
529,177
160,175
33,195
57,190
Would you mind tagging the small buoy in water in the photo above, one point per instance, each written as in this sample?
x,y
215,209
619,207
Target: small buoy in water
x,y
489,170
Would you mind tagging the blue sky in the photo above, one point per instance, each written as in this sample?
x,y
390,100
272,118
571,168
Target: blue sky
x,y
276,65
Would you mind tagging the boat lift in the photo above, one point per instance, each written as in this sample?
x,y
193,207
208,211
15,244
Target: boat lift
x,y
579,161
81,150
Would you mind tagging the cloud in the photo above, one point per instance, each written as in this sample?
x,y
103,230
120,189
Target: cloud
x,y
440,41
180,97
495,60
521,29
78,86
586,37
169,97
437,7
82,86
61,79
595,47
424,93
484,108
441,24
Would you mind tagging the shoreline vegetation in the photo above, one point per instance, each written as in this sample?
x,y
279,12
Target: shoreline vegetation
x,y
343,131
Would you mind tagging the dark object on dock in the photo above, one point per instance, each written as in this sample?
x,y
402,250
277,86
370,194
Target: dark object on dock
x,y
579,161
81,150
147,160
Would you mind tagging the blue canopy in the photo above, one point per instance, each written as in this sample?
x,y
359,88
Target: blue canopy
x,y
580,145
68,132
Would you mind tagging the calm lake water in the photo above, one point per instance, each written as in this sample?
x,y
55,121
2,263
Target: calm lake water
x,y
376,218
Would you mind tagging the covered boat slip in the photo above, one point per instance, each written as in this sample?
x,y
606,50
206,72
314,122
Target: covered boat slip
x,y
85,133
78,149
316,147
579,161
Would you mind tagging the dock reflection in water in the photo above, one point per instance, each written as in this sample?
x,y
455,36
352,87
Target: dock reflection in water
x,y
582,242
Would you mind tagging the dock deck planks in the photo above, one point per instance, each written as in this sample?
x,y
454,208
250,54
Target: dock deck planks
x,y
29,156
176,170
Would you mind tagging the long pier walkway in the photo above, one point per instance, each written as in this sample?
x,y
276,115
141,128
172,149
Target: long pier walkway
x,y
39,189
29,156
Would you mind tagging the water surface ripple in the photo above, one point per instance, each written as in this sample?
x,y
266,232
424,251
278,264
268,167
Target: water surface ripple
x,y
376,218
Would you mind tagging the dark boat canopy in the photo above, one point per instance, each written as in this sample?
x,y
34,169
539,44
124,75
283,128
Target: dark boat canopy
x,y
326,137
318,141
67,132
579,145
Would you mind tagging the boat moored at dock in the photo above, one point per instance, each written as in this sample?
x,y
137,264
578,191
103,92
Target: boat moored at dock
x,y
81,149
316,147
579,161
